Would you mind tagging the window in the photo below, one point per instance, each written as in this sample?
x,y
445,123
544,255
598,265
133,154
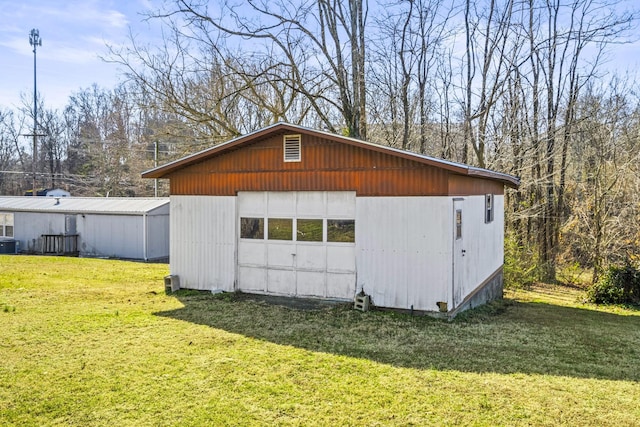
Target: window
x,y
6,224
458,224
280,229
341,230
292,148
309,230
252,228
488,208
306,229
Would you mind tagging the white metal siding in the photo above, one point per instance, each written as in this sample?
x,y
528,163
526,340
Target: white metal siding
x,y
29,226
203,241
117,236
158,236
403,250
100,235
483,242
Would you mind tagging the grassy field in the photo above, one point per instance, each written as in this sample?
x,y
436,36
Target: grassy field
x,y
97,342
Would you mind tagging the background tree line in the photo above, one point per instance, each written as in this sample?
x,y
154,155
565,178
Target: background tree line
x,y
520,86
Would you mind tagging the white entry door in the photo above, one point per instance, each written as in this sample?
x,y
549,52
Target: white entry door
x,y
297,243
459,252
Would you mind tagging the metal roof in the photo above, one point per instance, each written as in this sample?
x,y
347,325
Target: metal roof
x,y
460,168
97,205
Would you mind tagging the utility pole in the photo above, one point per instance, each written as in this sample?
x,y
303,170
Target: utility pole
x,y
155,164
35,41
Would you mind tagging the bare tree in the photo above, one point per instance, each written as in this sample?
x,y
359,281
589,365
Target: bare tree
x,y
14,162
487,65
313,50
52,147
105,146
603,226
570,30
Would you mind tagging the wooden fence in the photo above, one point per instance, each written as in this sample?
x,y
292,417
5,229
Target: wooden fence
x,y
60,244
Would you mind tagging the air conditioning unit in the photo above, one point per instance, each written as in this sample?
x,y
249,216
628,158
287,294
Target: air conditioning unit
x,y
8,246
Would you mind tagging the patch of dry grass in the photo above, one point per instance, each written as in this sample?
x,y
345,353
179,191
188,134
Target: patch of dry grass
x,y
95,342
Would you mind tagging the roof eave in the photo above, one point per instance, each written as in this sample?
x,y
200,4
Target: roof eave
x,y
164,170
509,180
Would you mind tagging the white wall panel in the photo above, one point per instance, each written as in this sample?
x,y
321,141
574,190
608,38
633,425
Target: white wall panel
x,y
252,203
255,254
29,226
310,283
157,234
340,204
253,279
483,242
281,282
311,257
403,250
311,204
281,204
203,241
341,258
340,286
114,236
281,255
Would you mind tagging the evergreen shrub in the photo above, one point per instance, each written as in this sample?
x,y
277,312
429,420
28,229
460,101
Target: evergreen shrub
x,y
619,285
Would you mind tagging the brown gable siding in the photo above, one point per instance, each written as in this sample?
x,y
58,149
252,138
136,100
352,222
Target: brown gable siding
x,y
460,185
326,166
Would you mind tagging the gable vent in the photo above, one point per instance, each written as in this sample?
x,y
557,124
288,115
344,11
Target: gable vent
x,y
292,148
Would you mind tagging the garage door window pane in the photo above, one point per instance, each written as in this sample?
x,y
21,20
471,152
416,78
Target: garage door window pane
x,y
341,230
252,228
280,229
309,230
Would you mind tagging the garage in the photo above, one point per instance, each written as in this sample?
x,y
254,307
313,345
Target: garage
x,y
297,243
288,210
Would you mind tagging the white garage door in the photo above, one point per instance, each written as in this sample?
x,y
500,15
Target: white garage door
x,y
297,243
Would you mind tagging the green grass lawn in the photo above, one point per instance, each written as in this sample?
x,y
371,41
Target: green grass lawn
x,y
97,342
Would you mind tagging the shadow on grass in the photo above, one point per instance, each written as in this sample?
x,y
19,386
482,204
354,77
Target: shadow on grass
x,y
504,337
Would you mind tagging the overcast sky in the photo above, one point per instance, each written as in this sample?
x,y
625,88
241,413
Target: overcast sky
x,y
74,34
